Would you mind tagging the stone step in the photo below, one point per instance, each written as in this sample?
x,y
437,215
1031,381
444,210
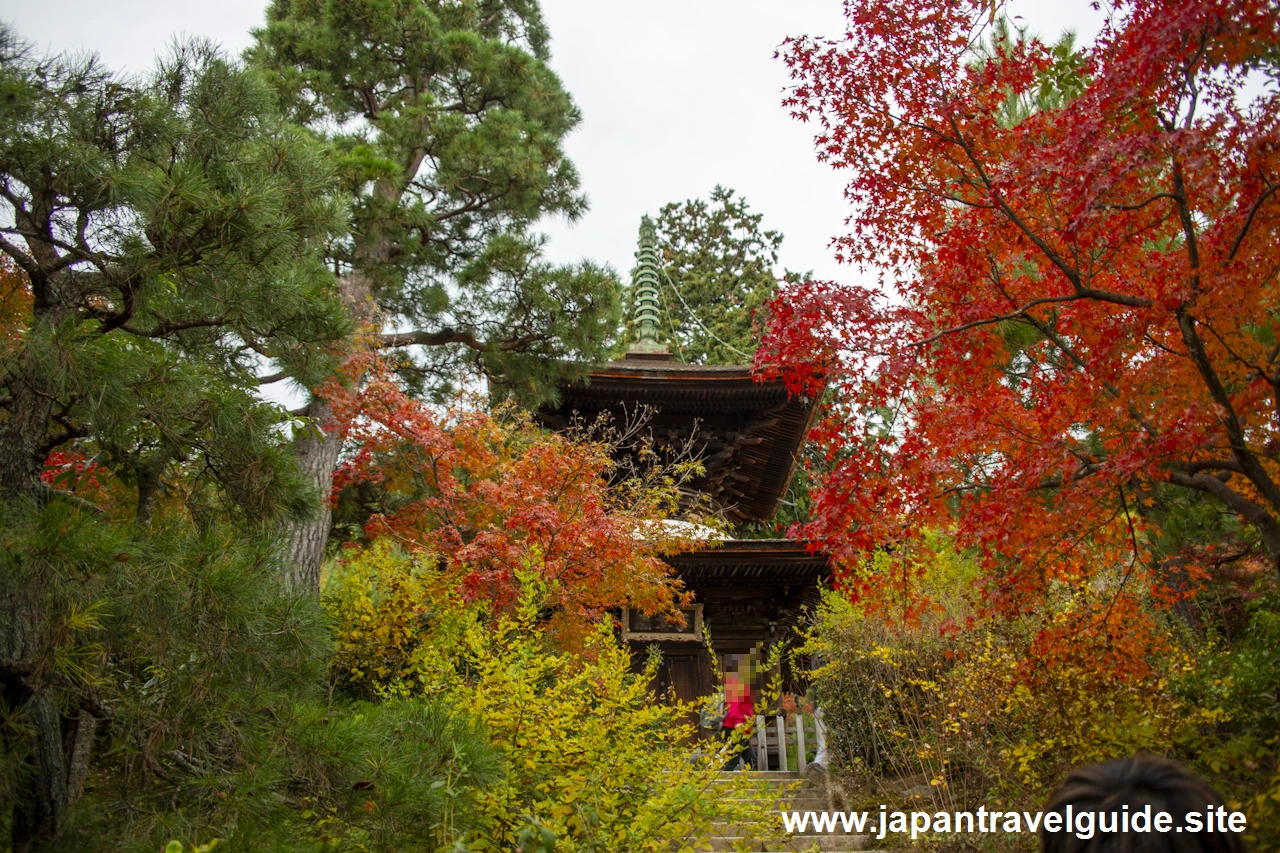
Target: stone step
x,y
775,791
775,807
773,785
735,830
760,775
833,843
771,779
769,791
797,800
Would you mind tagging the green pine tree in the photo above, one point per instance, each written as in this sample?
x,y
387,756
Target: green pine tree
x,y
159,234
447,124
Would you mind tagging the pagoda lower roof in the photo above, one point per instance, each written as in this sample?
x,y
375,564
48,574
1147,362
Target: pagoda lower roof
x,y
752,562
748,433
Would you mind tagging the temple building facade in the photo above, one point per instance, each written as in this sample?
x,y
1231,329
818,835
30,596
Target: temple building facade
x,y
748,593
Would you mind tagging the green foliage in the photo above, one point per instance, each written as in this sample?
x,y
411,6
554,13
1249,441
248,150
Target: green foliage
x,y
393,776
171,234
403,774
1242,753
168,230
717,273
208,684
447,125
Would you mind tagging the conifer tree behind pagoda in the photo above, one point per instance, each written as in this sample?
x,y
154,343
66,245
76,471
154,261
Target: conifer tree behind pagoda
x,y
717,274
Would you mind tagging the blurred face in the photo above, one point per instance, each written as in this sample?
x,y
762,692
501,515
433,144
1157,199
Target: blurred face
x,y
733,687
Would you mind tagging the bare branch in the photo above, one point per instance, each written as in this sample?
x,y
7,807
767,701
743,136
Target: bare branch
x,y
1019,314
1257,515
1248,222
167,327
273,377
431,339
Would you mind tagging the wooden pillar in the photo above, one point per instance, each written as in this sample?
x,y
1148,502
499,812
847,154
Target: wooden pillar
x,y
803,761
782,742
762,741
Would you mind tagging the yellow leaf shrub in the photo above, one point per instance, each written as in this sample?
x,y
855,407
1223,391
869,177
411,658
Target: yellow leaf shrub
x,y
976,712
1031,728
380,605
589,756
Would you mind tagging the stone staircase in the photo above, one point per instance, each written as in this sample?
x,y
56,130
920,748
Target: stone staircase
x,y
776,791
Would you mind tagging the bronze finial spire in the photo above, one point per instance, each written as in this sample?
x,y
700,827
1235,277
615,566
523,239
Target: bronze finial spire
x,y
644,292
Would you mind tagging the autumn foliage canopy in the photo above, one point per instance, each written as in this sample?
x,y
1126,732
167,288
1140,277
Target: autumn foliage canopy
x,y
1077,306
493,498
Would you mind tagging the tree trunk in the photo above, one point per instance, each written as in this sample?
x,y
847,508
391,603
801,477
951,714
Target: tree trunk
x,y
43,796
42,800
81,752
42,808
148,492
24,433
302,542
316,453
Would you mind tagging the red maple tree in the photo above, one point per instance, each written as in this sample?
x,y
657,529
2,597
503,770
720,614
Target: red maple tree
x,y
1077,301
492,495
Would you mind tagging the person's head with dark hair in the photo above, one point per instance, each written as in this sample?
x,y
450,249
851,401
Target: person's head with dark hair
x,y
1129,794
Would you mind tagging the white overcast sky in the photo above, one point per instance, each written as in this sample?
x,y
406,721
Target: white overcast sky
x,y
676,97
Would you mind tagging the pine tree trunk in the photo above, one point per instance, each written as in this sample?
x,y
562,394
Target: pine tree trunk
x,y
41,810
42,799
148,493
302,542
24,432
81,753
43,795
316,453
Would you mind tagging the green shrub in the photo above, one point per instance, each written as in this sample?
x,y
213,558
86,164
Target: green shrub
x,y
215,718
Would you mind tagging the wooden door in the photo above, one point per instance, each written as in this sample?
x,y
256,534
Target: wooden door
x,y
687,674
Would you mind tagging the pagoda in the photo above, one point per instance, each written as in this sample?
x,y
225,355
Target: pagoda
x,y
747,433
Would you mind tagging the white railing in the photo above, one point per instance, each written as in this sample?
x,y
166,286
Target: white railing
x,y
781,743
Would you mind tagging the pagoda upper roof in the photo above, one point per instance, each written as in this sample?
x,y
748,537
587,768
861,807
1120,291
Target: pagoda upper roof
x,y
747,432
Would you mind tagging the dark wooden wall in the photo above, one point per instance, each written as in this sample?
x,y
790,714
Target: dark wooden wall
x,y
740,619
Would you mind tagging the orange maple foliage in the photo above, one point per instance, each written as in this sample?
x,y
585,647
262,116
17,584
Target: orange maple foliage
x,y
1078,302
492,495
15,305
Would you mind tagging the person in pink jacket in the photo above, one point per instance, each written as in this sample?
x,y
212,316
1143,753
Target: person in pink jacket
x,y
740,715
